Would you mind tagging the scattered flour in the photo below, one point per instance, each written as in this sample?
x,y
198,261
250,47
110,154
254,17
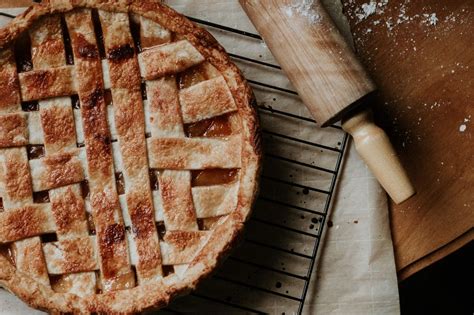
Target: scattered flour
x,y
431,19
303,8
378,7
367,10
370,8
463,126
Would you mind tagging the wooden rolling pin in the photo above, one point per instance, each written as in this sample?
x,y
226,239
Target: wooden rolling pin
x,y
329,79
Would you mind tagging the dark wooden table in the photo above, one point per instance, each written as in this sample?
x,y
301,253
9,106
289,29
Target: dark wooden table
x,y
420,53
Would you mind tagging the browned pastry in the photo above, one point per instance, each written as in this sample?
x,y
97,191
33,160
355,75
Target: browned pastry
x,y
129,155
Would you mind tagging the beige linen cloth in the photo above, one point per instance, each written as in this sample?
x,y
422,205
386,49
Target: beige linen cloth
x,y
355,272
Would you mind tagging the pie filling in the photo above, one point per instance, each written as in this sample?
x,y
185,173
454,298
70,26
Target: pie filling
x,y
61,283
23,53
208,224
35,151
30,106
161,229
8,252
196,74
49,238
213,127
41,197
85,189
121,282
217,176
153,174
167,270
90,223
120,183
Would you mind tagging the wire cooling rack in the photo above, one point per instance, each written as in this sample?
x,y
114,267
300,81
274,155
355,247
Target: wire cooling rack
x,y
270,271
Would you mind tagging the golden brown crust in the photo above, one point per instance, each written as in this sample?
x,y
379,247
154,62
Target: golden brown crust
x,y
159,292
163,60
181,246
47,47
130,126
70,256
206,99
57,122
56,170
194,153
214,201
68,207
165,115
9,93
17,179
178,208
40,84
13,130
13,227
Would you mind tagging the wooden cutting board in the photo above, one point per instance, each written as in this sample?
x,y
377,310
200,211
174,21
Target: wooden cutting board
x,y
420,54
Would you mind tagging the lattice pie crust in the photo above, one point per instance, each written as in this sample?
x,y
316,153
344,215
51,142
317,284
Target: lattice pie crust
x,y
129,155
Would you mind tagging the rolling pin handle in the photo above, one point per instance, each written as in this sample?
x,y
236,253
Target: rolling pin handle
x,y
374,146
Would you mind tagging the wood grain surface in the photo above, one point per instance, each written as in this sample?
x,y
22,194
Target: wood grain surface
x,y
420,54
319,62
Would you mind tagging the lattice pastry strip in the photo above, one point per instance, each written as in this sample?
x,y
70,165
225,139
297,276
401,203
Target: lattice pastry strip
x,y
29,258
58,125
54,82
114,264
215,200
9,94
206,99
179,211
68,209
56,170
35,131
72,255
164,108
13,130
194,153
38,217
47,44
164,120
162,60
15,179
151,33
23,128
130,121
61,165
